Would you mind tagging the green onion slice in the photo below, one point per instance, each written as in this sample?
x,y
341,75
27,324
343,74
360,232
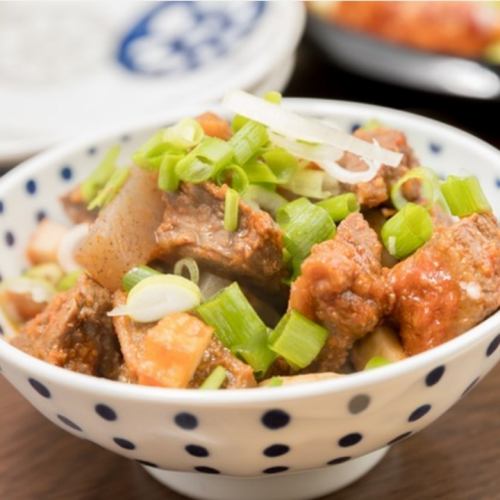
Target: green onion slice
x,y
377,362
136,274
157,296
429,188
111,189
407,230
258,172
264,198
215,380
191,266
371,124
91,186
150,155
304,224
247,142
68,281
236,176
49,272
184,135
464,196
238,327
282,164
297,339
167,177
309,183
273,382
339,207
231,209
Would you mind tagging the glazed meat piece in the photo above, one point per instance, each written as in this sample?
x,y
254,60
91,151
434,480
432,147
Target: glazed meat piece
x,y
75,332
449,285
239,374
343,286
377,191
193,226
76,208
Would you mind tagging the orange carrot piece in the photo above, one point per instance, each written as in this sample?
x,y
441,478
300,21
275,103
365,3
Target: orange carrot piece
x,y
214,126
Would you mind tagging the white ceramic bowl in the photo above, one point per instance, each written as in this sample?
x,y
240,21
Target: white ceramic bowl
x,y
287,443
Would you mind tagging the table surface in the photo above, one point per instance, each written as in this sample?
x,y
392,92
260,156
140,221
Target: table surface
x,y
456,458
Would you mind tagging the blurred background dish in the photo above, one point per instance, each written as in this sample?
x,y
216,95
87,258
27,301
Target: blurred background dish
x,y
444,47
65,67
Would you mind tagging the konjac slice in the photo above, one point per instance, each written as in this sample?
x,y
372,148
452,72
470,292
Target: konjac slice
x,y
123,235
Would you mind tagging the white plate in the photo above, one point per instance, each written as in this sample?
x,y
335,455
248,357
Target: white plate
x,y
64,67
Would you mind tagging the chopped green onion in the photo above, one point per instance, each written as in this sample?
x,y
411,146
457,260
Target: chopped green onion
x,y
282,163
184,135
157,296
50,272
204,160
377,362
339,207
429,187
150,154
136,274
247,141
110,190
309,183
371,124
273,382
215,379
68,281
191,266
238,327
258,172
264,198
167,178
407,230
464,196
231,209
91,186
273,97
297,339
304,224
238,178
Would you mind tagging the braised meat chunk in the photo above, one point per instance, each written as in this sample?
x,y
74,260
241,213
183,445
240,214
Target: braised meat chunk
x,y
76,208
75,332
342,285
449,285
193,226
377,191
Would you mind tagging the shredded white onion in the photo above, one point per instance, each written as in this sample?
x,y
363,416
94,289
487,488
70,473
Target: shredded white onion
x,y
297,127
68,246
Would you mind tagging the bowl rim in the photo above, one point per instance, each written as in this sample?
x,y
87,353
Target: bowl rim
x,y
353,382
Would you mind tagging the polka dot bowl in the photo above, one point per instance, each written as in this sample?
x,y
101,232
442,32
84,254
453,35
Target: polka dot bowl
x,y
292,442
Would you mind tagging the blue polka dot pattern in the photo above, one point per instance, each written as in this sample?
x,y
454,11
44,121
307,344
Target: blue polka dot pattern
x,y
359,403
1,328
434,376
276,450
400,437
206,470
339,460
92,151
275,419
186,421
355,127
40,388
31,186
493,346
350,439
9,238
2,207
66,173
125,138
196,450
124,443
40,215
275,470
147,464
105,412
435,148
420,412
69,423
497,182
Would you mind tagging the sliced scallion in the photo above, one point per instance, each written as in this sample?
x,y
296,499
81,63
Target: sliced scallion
x,y
428,185
136,274
191,266
234,176
464,196
184,135
49,271
238,327
167,177
91,186
111,188
150,154
68,281
282,163
247,141
339,207
376,362
231,209
309,183
297,339
258,172
273,382
264,198
215,380
273,97
407,230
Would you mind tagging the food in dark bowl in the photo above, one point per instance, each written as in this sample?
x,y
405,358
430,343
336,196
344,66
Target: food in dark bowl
x,y
272,250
